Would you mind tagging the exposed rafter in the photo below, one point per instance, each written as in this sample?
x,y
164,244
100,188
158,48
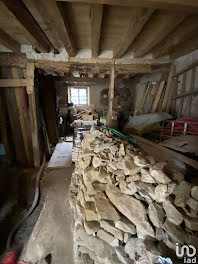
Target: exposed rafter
x,y
158,27
186,30
138,18
96,21
39,40
177,5
185,47
88,80
9,42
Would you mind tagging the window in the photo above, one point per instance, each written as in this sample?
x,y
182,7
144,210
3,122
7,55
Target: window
x,y
78,95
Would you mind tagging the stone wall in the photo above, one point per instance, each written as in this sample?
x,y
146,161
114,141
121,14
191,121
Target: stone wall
x,y
129,208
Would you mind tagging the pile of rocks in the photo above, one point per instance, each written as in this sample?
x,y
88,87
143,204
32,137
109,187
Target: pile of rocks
x,y
129,208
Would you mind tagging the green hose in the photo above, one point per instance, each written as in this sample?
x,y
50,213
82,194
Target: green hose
x,y
117,133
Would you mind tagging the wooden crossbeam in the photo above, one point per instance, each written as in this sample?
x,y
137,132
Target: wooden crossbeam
x,y
88,80
177,5
96,21
7,41
38,38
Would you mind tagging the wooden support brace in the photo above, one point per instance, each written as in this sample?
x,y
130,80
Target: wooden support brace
x,y
111,94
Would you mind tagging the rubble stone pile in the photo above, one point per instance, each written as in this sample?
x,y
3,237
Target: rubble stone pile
x,y
128,207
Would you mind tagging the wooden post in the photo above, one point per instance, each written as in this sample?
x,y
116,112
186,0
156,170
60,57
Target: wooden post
x,y
32,114
158,95
111,94
182,91
21,116
168,89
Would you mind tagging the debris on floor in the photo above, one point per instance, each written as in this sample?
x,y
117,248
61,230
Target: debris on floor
x,y
128,207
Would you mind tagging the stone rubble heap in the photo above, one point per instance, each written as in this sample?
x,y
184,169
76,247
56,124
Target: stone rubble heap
x,y
128,207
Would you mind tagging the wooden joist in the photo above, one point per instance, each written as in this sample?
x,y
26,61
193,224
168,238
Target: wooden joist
x,y
177,5
7,41
38,38
96,21
186,30
159,26
138,18
61,25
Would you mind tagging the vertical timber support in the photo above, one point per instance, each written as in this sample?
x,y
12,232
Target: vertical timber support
x,y
167,97
111,94
32,113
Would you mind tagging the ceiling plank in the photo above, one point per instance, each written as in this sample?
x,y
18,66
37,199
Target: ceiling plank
x,y
39,40
158,27
96,21
139,17
9,42
177,5
185,47
184,31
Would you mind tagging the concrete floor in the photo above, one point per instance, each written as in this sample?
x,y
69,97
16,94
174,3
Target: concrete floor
x,y
52,235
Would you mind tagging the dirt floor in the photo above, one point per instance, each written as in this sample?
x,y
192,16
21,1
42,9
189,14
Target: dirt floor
x,y
52,235
46,236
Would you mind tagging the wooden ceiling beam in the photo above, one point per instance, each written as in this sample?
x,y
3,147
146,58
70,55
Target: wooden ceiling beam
x,y
104,68
7,41
38,38
186,30
88,80
190,6
64,32
96,22
185,47
139,17
158,27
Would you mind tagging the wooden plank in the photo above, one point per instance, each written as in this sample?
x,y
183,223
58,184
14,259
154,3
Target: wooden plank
x,y
96,21
15,82
30,77
171,84
182,98
157,29
138,19
175,85
158,96
168,89
7,41
21,117
111,95
34,128
39,39
184,5
184,95
184,31
10,59
3,127
188,68
192,85
165,154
